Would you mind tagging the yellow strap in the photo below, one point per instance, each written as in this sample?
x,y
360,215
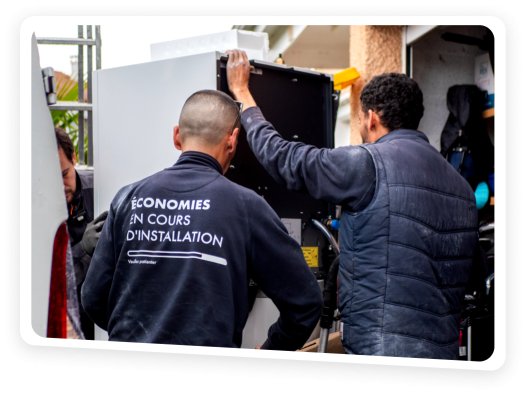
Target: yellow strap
x,y
345,78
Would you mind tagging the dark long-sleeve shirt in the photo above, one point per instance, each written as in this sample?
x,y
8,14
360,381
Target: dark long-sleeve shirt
x,y
344,175
80,214
175,257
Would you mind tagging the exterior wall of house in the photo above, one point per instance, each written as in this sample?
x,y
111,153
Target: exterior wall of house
x,y
373,50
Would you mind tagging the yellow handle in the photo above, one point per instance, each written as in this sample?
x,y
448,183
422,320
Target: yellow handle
x,y
345,78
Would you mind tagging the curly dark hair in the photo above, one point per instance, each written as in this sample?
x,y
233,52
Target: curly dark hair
x,y
396,99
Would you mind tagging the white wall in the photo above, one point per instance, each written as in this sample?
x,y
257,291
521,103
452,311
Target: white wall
x,y
438,65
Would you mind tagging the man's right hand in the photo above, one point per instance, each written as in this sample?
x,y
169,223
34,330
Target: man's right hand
x,y
237,74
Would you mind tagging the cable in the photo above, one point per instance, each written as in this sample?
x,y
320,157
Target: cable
x,y
327,234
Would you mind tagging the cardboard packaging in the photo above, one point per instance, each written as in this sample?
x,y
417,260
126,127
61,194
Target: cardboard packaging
x,y
334,345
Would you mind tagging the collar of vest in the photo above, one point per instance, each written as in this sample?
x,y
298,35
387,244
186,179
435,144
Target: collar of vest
x,y
196,158
405,134
76,202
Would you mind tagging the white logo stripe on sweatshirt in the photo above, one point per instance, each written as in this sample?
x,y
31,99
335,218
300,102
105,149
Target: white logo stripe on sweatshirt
x,y
178,255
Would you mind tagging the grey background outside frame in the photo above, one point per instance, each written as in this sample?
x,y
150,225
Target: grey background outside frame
x,y
23,354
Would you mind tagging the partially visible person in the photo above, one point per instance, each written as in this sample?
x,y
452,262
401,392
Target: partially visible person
x,y
83,230
408,234
176,255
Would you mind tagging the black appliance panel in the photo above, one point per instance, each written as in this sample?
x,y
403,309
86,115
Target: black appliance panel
x,y
300,107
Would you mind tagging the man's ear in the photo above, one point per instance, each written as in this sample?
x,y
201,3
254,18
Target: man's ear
x,y
74,158
177,138
232,140
372,120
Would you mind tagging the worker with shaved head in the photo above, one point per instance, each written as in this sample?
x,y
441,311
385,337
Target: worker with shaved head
x,y
175,257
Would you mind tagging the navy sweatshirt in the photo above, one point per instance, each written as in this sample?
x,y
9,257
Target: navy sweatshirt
x,y
175,257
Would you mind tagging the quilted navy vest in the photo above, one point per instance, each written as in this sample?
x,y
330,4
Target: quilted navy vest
x,y
406,259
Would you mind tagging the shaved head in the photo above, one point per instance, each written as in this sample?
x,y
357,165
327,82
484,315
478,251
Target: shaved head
x,y
207,116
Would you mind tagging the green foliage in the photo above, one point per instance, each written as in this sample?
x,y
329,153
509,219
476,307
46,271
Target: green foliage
x,y
69,120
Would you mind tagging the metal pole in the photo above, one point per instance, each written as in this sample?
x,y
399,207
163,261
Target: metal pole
x,y
65,41
97,46
80,81
324,337
469,342
90,114
324,332
488,283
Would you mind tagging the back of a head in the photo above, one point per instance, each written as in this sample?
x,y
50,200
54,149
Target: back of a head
x,y
207,116
396,98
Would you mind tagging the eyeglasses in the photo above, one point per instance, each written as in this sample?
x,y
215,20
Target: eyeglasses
x,y
240,105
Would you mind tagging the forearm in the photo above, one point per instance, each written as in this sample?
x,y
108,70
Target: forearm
x,y
95,291
289,335
94,305
278,156
285,278
244,96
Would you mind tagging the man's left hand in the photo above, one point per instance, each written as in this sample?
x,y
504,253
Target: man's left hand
x,y
238,73
237,70
92,233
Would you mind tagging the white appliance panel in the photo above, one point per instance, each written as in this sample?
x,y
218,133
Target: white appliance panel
x,y
135,110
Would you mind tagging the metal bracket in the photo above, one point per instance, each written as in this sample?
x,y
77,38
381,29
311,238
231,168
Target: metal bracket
x,y
50,86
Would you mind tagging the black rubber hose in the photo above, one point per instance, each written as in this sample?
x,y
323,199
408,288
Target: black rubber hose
x,y
329,295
